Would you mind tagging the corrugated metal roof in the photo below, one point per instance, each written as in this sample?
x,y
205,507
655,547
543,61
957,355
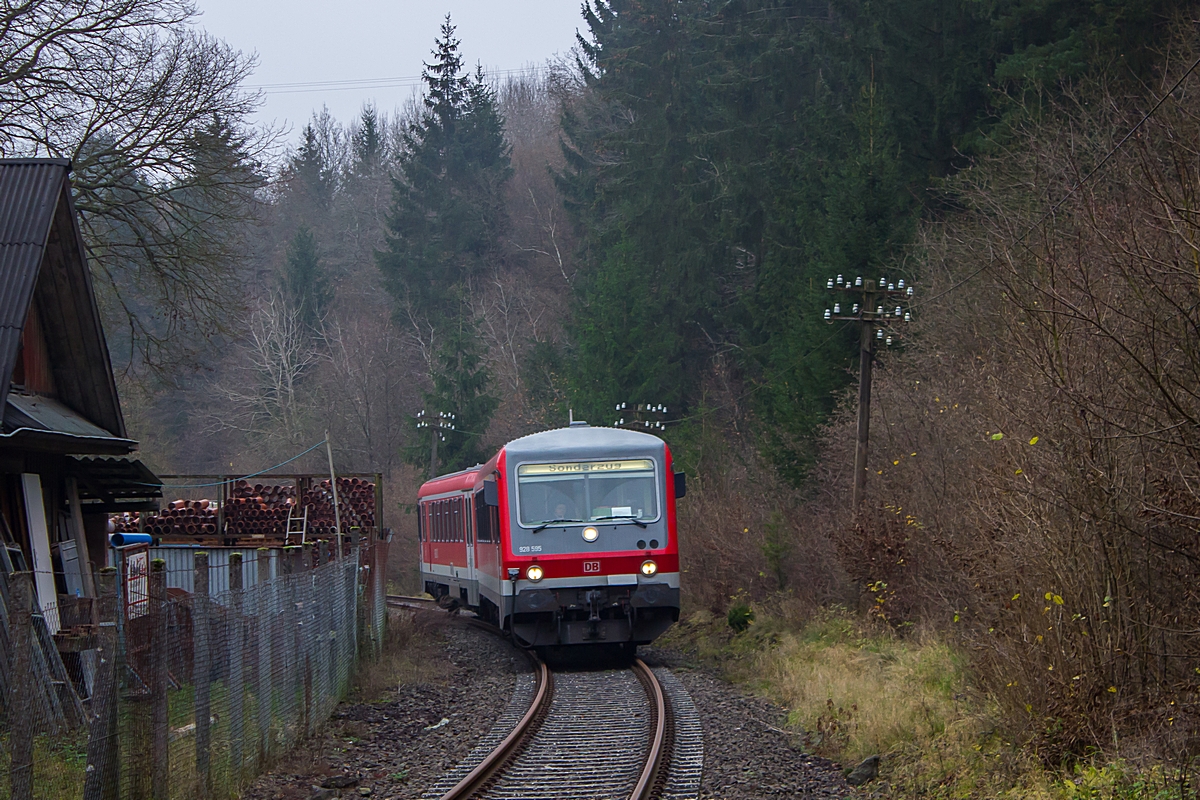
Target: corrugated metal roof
x,y
34,421
29,193
42,261
43,413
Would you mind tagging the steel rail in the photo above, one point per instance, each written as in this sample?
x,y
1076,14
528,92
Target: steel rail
x,y
511,745
650,780
648,783
414,603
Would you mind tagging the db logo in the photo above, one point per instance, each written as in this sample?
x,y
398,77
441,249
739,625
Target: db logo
x,y
591,566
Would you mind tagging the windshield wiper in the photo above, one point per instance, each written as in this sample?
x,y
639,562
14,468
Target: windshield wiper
x,y
629,517
541,527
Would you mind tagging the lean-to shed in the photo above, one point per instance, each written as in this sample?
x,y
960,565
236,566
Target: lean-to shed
x,y
64,450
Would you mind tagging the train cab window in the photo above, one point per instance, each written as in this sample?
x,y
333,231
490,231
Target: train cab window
x,y
420,524
587,491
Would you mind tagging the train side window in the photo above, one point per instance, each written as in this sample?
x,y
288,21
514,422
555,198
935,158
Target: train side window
x,y
420,527
435,508
483,531
464,504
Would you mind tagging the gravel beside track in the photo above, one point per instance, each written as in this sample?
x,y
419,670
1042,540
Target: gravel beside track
x,y
747,753
397,746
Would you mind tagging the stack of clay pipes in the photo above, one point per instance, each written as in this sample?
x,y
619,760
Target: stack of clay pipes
x,y
258,510
125,522
356,505
183,518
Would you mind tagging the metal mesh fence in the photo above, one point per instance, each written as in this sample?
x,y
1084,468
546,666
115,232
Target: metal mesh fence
x,y
187,694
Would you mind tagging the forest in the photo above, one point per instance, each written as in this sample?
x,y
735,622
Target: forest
x,y
652,219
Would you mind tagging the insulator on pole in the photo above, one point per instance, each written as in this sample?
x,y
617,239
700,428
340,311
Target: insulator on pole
x,y
858,281
829,283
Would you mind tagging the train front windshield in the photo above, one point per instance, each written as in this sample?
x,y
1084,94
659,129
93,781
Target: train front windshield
x,y
587,491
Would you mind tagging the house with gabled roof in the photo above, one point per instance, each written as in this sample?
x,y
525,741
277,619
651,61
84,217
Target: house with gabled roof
x,y
65,462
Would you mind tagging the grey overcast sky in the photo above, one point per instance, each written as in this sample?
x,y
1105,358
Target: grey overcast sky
x,y
360,41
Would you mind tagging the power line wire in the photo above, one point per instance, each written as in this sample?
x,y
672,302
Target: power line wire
x,y
242,478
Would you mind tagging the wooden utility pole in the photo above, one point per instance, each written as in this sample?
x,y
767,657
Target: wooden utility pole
x,y
436,423
337,514
866,359
878,305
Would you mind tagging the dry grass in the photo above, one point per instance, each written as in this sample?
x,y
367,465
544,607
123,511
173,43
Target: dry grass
x,y
410,655
860,693
856,688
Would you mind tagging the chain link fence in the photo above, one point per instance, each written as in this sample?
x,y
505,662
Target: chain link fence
x,y
187,694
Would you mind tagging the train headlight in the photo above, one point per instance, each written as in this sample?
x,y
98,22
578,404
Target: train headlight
x,y
590,534
649,568
534,573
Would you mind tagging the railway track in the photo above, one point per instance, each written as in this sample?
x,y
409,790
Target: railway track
x,y
583,736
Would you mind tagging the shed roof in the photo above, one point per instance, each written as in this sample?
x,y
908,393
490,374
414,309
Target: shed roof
x,y
42,260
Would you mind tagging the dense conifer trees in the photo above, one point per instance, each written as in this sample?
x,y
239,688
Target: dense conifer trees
x,y
445,231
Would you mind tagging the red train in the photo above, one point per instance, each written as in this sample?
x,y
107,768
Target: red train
x,y
565,537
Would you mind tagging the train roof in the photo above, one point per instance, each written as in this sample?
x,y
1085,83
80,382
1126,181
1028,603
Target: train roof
x,y
576,441
460,481
580,440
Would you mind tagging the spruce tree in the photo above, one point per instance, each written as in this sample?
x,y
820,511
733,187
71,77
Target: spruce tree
x,y
312,171
367,141
461,387
447,218
445,227
305,285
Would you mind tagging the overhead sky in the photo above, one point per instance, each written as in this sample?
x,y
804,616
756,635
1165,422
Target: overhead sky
x,y
373,49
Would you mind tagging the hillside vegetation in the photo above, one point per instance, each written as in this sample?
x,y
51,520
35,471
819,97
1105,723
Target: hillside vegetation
x,y
651,219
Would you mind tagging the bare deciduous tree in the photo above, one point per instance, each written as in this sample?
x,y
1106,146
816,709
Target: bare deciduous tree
x,y
152,114
262,390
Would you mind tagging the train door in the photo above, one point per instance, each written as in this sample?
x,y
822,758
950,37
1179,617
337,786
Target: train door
x,y
469,535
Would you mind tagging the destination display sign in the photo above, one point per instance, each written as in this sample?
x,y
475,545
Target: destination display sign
x,y
578,467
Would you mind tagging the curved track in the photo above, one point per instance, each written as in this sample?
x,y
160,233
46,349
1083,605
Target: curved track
x,y
585,736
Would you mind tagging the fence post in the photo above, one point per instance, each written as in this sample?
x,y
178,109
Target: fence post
x,y
202,672
308,630
102,781
237,688
291,563
266,628
20,615
159,740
